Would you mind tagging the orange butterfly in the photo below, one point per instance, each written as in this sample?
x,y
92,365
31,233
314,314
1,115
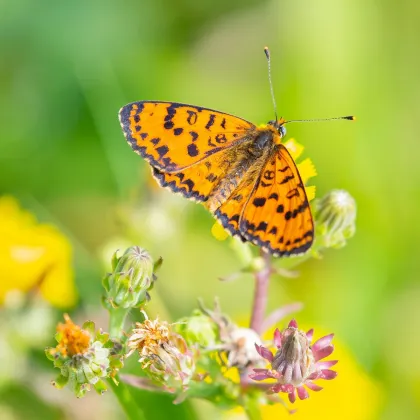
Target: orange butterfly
x,y
242,173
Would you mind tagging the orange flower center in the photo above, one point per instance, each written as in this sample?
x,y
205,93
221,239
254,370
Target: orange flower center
x,y
73,339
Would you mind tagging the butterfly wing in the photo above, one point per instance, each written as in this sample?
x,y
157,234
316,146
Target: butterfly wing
x,y
173,136
197,182
277,216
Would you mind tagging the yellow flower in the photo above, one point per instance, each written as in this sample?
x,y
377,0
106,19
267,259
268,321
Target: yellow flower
x,y
34,255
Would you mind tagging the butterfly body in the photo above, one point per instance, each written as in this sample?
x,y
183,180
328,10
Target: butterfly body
x,y
242,173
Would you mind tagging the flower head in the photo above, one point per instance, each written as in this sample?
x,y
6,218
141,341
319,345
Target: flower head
x,y
81,356
164,354
335,217
131,279
34,256
297,363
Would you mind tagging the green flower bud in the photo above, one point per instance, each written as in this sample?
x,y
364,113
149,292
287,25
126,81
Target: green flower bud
x,y
197,329
335,219
131,279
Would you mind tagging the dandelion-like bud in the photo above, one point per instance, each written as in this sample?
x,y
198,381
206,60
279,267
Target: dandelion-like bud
x,y
335,216
131,279
164,354
197,329
81,356
297,363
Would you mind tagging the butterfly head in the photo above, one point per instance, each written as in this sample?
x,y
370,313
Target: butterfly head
x,y
279,126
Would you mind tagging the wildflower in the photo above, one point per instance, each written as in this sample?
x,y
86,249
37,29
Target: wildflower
x,y
297,363
335,216
131,278
306,167
34,256
164,354
82,357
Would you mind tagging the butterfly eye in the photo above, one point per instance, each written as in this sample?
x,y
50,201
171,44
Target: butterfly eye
x,y
282,130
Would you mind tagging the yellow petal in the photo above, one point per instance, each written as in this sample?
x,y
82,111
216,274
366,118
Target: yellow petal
x,y
34,255
295,149
306,170
310,192
219,232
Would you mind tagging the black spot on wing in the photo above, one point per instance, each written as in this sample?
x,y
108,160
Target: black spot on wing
x,y
210,121
162,150
192,150
259,201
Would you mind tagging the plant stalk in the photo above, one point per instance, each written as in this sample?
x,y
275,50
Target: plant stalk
x,y
262,280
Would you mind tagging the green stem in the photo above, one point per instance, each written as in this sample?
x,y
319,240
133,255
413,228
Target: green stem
x,y
116,321
252,407
128,404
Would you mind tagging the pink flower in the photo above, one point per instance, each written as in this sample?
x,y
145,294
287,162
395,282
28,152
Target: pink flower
x,y
296,363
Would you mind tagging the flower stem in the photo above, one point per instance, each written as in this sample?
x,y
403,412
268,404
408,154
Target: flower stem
x,y
116,321
252,407
262,280
126,400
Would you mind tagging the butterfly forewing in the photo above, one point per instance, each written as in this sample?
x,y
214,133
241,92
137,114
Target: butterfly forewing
x,y
277,216
198,181
173,136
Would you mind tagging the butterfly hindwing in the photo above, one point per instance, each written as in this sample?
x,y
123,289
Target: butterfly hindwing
x,y
173,136
277,216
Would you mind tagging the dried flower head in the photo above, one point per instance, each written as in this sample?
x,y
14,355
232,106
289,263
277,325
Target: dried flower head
x,y
81,356
296,363
237,342
164,354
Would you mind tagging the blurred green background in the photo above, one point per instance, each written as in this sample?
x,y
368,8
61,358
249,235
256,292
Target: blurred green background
x,y
67,67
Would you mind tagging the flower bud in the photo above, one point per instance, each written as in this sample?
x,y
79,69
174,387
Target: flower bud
x,y
197,329
131,278
335,217
164,354
81,357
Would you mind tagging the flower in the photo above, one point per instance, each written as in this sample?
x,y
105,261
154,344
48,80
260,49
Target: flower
x,y
34,256
164,354
131,278
366,399
82,357
335,218
297,363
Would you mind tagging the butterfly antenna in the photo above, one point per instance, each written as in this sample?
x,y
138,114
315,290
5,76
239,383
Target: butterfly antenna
x,y
349,117
267,54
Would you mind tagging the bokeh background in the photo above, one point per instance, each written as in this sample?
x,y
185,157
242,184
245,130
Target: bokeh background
x,y
65,70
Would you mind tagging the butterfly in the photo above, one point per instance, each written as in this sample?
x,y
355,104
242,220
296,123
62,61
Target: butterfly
x,y
241,173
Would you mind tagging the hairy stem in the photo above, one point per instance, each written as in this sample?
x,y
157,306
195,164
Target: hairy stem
x,y
262,280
